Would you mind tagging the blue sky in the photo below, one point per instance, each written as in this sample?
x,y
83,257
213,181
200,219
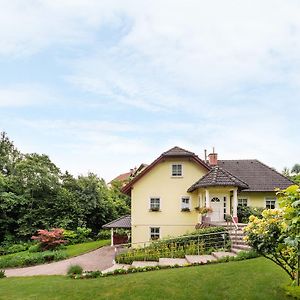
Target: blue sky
x,y
102,86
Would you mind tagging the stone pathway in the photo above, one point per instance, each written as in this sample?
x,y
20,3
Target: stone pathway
x,y
99,259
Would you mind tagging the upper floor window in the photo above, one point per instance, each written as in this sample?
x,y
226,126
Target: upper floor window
x,y
155,204
177,170
242,202
270,203
185,203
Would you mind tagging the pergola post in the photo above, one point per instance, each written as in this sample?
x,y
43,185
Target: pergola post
x,y
111,236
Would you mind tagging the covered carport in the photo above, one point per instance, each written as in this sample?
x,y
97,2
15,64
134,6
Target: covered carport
x,y
120,223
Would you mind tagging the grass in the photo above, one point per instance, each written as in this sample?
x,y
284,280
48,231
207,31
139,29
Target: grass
x,y
74,250
25,258
250,279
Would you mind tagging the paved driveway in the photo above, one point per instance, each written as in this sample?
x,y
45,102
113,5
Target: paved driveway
x,y
99,259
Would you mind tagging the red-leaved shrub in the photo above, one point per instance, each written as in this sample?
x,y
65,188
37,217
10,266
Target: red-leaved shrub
x,y
50,239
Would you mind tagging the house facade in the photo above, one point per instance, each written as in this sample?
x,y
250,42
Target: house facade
x,y
167,194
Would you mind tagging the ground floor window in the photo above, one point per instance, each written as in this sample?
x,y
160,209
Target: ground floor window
x,y
270,203
185,203
243,202
154,233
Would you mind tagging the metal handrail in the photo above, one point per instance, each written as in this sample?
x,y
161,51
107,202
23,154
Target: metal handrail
x,y
234,222
170,239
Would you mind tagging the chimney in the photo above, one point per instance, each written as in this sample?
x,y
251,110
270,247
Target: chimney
x,y
205,155
213,158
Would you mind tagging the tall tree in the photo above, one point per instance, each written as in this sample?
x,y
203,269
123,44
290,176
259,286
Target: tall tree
x,y
9,155
296,169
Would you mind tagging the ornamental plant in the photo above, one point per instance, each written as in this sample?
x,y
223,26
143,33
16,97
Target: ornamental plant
x,y
204,210
276,234
50,240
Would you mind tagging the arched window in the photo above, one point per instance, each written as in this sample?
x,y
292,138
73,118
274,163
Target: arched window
x,y
215,199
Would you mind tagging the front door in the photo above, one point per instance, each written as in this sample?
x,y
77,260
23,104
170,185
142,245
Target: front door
x,y
217,214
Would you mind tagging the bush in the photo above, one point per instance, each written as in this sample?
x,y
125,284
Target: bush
x,y
92,274
104,234
244,212
293,291
242,255
2,274
75,270
70,236
29,259
81,235
50,239
14,248
35,248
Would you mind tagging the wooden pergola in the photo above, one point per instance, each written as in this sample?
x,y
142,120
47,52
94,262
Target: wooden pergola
x,y
120,223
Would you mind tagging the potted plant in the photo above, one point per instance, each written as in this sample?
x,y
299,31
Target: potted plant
x,y
185,209
155,208
203,211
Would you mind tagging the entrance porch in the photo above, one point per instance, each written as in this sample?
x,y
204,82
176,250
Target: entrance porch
x,y
222,201
217,191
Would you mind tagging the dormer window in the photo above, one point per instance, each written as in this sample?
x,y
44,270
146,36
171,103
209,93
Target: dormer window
x,y
177,170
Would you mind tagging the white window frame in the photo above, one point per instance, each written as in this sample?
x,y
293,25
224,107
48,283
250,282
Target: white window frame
x,y
176,164
183,205
150,232
242,200
154,198
270,199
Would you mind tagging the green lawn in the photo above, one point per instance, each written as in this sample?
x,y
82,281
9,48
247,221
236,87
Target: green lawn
x,y
74,250
256,279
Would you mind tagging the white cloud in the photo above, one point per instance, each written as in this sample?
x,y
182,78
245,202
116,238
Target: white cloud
x,y
231,66
20,95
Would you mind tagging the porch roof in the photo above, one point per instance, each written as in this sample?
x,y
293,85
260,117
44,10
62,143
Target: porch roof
x,y
123,222
218,177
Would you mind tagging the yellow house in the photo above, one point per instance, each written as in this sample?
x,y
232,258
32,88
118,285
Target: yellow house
x,y
167,194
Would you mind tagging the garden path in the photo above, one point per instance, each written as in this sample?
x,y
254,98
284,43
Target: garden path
x,y
99,259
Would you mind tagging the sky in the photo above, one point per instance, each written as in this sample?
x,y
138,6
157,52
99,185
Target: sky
x,y
102,86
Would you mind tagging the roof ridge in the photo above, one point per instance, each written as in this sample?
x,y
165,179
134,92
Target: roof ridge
x,y
238,159
178,148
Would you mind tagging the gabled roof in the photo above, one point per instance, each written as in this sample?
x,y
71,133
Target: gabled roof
x,y
218,177
122,177
177,151
123,222
132,173
258,176
173,152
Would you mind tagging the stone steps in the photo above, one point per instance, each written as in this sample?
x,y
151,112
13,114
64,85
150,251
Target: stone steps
x,y
138,264
172,261
200,259
241,247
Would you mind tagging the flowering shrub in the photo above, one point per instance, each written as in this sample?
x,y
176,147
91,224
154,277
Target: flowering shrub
x,y
50,239
204,210
266,236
